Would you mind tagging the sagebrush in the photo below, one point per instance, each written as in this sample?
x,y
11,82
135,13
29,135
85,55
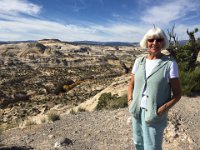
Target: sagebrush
x,y
109,101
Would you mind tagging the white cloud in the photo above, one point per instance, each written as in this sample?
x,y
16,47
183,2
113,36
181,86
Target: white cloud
x,y
14,26
117,28
168,11
120,32
18,28
14,7
35,29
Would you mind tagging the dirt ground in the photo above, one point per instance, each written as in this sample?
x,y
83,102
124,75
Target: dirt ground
x,y
106,130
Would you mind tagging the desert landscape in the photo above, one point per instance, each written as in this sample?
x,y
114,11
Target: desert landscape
x,y
49,95
37,76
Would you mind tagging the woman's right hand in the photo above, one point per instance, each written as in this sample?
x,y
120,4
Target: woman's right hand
x,y
129,101
130,89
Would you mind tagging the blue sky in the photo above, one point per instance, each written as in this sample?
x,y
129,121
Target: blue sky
x,y
95,20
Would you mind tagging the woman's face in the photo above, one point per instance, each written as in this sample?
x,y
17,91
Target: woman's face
x,y
154,45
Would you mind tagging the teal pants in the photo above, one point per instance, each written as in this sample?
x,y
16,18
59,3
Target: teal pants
x,y
145,136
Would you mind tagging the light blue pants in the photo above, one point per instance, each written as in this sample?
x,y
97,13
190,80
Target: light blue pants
x,y
145,136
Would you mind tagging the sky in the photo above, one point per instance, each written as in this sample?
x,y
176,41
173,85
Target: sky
x,y
95,20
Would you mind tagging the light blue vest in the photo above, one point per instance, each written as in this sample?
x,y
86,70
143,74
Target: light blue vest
x,y
158,90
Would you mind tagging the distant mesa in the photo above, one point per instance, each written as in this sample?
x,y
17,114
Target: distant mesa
x,y
105,43
49,40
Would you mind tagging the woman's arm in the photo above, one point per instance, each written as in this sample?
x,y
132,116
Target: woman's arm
x,y
176,90
130,89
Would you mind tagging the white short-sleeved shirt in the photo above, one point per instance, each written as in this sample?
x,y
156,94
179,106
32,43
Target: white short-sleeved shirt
x,y
150,64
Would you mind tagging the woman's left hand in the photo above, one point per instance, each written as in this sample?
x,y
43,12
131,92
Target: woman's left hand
x,y
161,110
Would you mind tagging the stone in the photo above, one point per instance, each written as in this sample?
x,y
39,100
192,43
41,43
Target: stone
x,y
63,142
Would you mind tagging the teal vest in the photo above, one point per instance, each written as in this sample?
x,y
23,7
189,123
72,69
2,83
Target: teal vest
x,y
158,90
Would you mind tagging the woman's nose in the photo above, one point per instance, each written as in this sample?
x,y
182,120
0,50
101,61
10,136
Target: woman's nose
x,y
155,41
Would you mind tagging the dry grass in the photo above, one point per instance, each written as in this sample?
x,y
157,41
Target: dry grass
x,y
53,116
30,123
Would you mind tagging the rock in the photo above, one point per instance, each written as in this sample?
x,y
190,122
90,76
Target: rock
x,y
63,142
51,136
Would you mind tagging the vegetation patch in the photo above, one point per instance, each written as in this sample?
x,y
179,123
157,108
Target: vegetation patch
x,y
80,109
6,126
52,116
109,101
43,120
189,72
190,81
30,123
72,111
186,56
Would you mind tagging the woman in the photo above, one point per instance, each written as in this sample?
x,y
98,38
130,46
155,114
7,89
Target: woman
x,y
154,77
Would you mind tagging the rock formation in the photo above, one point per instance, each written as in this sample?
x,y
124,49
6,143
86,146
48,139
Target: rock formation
x,y
35,76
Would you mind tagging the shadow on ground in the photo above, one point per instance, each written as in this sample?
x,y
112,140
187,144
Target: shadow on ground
x,y
16,148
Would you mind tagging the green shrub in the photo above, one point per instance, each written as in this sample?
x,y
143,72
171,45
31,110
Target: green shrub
x,y
189,72
109,101
80,109
52,116
190,81
196,76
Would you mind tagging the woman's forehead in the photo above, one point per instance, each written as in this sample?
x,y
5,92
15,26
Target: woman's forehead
x,y
155,36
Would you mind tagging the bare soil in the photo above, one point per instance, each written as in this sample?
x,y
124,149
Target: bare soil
x,y
106,130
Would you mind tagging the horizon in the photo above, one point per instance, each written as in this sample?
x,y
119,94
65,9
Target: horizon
x,y
77,41
95,20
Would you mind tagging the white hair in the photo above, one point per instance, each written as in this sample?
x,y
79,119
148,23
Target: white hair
x,y
155,32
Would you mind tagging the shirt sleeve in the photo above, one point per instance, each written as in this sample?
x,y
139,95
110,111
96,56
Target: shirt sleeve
x,y
173,70
135,67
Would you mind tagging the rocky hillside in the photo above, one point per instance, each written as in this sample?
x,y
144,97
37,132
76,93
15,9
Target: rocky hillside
x,y
109,130
38,76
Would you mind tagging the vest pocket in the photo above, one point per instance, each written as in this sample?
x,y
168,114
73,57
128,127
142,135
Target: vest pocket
x,y
152,118
151,115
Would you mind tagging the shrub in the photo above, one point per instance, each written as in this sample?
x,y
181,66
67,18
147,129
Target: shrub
x,y
7,126
30,123
65,86
109,101
72,111
196,77
52,116
43,120
189,72
190,81
80,109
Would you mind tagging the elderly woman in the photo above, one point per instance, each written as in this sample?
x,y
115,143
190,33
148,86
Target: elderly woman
x,y
153,89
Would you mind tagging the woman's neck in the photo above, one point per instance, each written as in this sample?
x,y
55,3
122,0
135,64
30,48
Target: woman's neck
x,y
151,56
